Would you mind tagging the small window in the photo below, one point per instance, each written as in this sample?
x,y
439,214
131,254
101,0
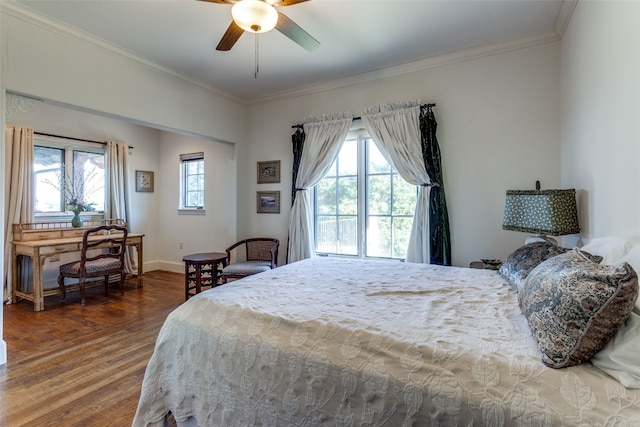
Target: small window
x,y
68,171
192,188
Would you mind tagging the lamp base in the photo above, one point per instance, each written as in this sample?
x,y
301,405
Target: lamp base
x,y
540,238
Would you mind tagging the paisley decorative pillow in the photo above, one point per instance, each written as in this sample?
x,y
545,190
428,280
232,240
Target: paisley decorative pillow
x,y
519,264
574,306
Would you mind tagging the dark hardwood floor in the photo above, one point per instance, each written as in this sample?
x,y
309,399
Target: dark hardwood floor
x,y
83,366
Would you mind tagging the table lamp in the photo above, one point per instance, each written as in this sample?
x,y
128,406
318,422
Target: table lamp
x,y
543,212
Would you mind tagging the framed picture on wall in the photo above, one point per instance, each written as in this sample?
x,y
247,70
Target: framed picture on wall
x,y
269,172
268,202
144,181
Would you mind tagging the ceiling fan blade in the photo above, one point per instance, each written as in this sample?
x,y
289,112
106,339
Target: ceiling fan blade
x,y
283,2
230,37
292,30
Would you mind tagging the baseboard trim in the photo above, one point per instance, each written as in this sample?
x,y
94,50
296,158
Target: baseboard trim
x,y
3,352
174,267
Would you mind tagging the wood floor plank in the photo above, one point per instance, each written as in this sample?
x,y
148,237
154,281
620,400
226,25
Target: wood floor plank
x,y
83,366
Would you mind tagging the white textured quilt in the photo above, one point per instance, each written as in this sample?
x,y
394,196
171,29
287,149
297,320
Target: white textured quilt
x,y
340,342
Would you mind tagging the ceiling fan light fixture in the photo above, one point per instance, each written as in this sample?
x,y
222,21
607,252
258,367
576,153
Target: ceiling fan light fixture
x,y
254,16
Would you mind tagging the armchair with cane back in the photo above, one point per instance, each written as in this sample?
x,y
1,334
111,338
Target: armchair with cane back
x,y
261,254
103,251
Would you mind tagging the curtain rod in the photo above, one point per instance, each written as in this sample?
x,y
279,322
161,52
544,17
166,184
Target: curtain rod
x,y
72,138
358,118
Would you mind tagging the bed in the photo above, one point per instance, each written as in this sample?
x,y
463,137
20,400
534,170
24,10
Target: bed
x,y
329,341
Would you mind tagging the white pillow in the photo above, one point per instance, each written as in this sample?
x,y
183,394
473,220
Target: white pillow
x,y
611,248
633,257
619,358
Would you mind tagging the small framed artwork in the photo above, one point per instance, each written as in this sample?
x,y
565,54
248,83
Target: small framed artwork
x,y
268,201
269,172
144,181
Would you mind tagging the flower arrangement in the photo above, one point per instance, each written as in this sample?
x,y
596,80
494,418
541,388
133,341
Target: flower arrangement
x,y
76,205
75,192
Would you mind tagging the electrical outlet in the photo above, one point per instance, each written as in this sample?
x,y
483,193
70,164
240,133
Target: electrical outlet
x,y
181,245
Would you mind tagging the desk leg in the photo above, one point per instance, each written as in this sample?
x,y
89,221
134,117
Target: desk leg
x,y
16,277
37,263
140,272
140,265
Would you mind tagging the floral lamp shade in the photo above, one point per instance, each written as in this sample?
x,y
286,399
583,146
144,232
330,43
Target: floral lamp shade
x,y
552,212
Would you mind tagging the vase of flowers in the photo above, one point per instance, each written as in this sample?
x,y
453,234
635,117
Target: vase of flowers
x,y
76,206
76,191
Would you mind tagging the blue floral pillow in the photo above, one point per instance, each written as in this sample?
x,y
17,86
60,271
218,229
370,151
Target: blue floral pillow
x,y
574,306
519,264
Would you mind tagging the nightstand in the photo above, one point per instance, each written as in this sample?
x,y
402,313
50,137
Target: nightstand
x,y
488,264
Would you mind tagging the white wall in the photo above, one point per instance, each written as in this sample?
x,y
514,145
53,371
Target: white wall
x,y
3,344
107,95
498,129
110,94
55,64
601,115
210,230
57,120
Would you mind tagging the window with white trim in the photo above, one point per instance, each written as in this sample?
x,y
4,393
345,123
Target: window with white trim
x,y
192,181
363,207
66,171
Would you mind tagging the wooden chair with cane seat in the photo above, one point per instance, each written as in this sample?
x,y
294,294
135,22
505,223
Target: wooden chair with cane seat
x,y
103,251
261,254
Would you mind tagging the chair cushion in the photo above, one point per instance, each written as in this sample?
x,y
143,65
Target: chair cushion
x,y
247,267
98,265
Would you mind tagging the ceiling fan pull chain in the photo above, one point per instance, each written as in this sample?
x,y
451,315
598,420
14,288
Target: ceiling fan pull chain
x,y
255,75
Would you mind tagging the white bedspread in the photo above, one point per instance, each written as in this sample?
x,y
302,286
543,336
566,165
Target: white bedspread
x,y
350,343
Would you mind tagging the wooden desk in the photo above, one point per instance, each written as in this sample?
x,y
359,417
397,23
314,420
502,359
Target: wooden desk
x,y
40,250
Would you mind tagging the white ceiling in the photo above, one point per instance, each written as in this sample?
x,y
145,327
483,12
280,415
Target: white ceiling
x,y
358,37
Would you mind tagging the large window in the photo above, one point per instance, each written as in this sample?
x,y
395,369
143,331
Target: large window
x,y
192,185
66,172
363,207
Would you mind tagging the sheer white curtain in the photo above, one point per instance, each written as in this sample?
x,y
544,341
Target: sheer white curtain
x,y
18,191
117,203
395,128
324,137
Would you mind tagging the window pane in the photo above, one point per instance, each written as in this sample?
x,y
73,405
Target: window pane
x,y
348,158
382,225
327,234
88,179
193,191
379,191
326,197
333,171
401,234
347,235
404,196
48,171
376,163
379,237
348,196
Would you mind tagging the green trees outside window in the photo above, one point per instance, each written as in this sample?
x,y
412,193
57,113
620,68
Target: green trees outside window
x,y
363,207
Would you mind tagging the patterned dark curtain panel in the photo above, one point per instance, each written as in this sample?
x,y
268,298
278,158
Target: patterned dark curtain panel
x,y
298,143
440,245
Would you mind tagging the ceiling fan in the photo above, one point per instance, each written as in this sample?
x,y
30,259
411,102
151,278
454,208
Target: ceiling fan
x,y
260,16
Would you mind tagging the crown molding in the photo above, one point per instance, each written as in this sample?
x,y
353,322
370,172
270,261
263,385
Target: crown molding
x,y
413,66
564,16
45,22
